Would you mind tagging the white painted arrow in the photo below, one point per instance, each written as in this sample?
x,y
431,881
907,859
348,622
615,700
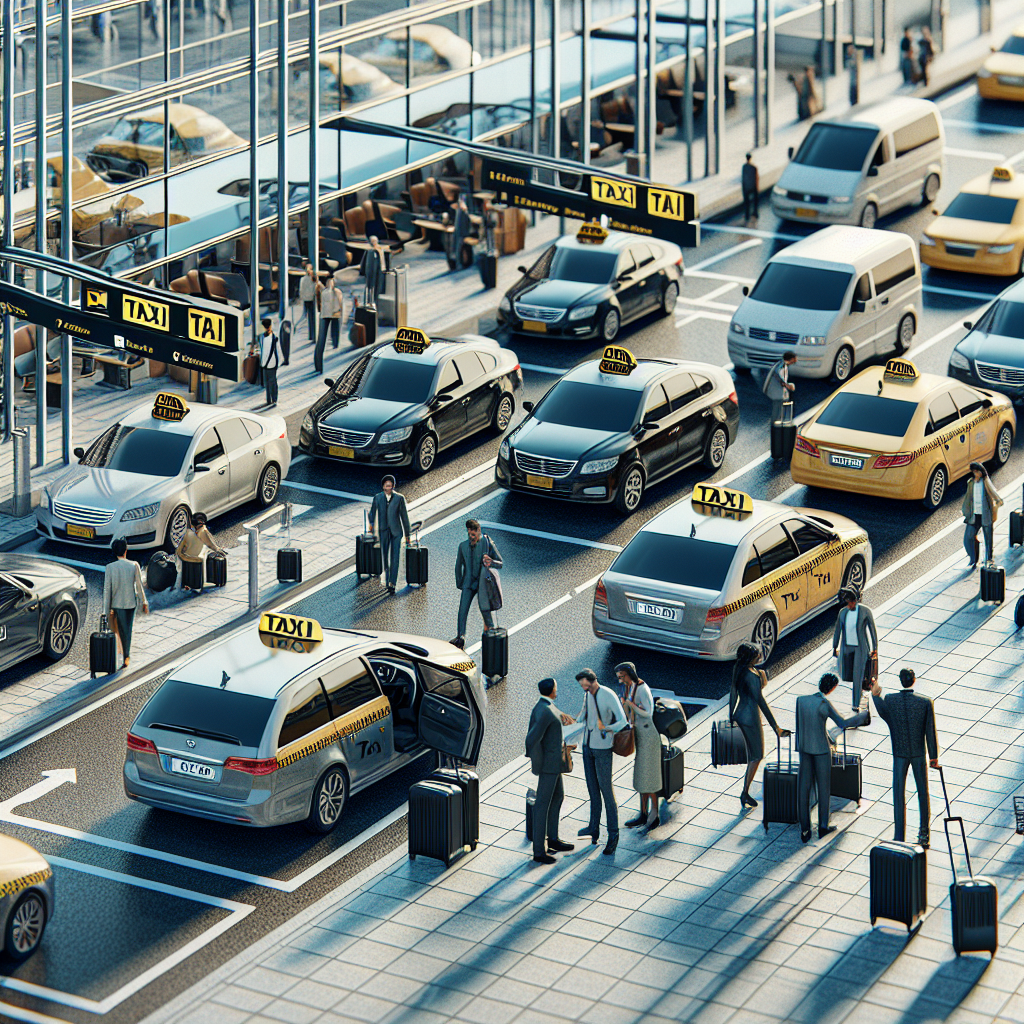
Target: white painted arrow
x,y
51,780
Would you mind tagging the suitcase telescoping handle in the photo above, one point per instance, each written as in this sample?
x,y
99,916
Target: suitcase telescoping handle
x,y
778,750
414,533
787,412
103,624
963,832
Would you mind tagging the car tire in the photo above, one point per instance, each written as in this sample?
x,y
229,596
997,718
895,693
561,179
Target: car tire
x,y
177,524
936,490
137,169
631,490
855,575
1004,445
610,326
931,189
328,803
715,447
61,631
869,216
842,368
25,926
503,413
765,635
426,454
669,297
904,334
269,485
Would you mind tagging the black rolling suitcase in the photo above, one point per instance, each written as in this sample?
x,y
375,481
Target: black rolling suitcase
x,y
846,774
366,317
727,743
102,651
161,573
973,901
216,569
673,774
417,560
289,565
489,269
780,790
1016,529
993,583
783,435
495,653
1018,613
469,783
435,821
899,883
531,803
369,559
191,575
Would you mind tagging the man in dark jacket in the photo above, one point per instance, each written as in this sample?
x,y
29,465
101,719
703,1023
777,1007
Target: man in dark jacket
x,y
476,554
390,513
911,721
544,748
750,183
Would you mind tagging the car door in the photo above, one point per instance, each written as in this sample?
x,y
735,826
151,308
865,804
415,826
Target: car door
x,y
448,718
307,730
657,444
822,569
245,458
981,430
625,285
688,415
362,718
776,553
210,489
882,183
648,279
449,412
478,398
19,622
862,318
956,448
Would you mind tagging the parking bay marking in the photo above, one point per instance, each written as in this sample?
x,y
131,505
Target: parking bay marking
x,y
582,541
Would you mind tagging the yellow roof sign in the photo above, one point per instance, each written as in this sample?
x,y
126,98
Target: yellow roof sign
x,y
900,371
290,632
713,500
617,359
592,233
169,407
411,340
1002,174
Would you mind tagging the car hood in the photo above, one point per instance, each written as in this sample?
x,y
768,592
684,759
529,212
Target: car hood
x,y
993,348
752,313
108,488
39,570
554,441
560,294
819,181
368,414
957,229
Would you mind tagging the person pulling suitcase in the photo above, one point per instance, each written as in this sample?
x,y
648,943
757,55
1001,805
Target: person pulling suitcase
x,y
389,519
477,555
777,386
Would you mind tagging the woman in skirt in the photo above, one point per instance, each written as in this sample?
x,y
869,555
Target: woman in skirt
x,y
639,704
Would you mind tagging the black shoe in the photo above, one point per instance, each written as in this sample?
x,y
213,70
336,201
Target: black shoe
x,y
822,832
459,641
924,841
391,589
746,800
589,832
638,820
650,826
557,846
805,837
613,842
545,859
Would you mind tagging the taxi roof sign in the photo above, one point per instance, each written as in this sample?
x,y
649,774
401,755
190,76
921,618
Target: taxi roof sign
x,y
592,233
172,408
290,632
616,359
724,502
900,371
1002,173
411,341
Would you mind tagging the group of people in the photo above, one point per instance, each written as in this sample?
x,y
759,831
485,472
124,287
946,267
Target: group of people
x,y
916,56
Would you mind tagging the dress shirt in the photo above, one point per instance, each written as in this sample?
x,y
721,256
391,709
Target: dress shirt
x,y
852,619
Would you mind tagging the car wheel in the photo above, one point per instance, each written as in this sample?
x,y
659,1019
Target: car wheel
x,y
904,334
503,413
270,483
329,799
669,297
868,216
25,926
1004,444
426,453
764,636
631,490
936,491
930,190
177,524
610,326
715,448
60,632
843,366
137,169
855,575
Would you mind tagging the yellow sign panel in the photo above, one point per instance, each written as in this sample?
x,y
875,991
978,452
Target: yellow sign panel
x,y
205,327
712,500
96,299
410,340
618,193
290,632
617,359
145,312
665,202
901,371
169,407
592,233
1002,174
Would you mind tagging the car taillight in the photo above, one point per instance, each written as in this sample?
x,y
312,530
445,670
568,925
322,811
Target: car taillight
x,y
679,262
892,461
282,435
734,398
803,445
252,766
140,744
714,618
601,595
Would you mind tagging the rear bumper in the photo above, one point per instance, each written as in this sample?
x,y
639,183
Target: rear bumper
x,y
897,483
1005,265
710,648
991,89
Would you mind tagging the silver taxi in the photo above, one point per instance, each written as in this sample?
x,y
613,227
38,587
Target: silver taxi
x,y
719,569
283,721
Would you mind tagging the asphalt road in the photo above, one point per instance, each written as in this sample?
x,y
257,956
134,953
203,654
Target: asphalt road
x,y
114,925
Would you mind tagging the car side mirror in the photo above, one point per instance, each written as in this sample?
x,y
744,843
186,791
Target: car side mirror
x,y
987,404
528,406
789,152
872,171
746,290
651,425
79,453
202,468
969,325
522,270
440,400
328,382
858,306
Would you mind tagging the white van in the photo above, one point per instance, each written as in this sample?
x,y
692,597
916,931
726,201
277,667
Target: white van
x,y
855,169
836,298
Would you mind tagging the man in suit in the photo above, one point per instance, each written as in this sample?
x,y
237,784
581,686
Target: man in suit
x,y
751,186
777,387
476,554
813,710
389,512
911,721
854,640
544,748
270,360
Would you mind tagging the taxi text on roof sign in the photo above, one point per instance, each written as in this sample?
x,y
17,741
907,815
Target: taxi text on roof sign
x,y
169,407
1002,174
901,371
290,632
712,500
411,340
617,359
593,233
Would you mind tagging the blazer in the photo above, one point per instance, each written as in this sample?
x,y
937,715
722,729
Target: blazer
x,y
392,516
865,643
544,738
911,721
611,716
775,383
122,585
989,508
463,560
813,710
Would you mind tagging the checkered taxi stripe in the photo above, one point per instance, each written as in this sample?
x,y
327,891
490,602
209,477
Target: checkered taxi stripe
x,y
374,711
17,884
948,435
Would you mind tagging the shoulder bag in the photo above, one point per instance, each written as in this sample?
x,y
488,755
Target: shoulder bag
x,y
623,741
566,760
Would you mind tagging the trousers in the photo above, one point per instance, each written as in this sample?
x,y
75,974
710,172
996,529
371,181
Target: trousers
x,y
270,384
597,770
546,810
859,694
466,600
310,308
777,404
125,619
391,553
815,773
321,340
971,539
899,795
750,201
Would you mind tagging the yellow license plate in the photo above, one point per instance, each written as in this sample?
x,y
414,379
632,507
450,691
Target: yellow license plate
x,y
342,453
539,481
87,532
535,325
806,211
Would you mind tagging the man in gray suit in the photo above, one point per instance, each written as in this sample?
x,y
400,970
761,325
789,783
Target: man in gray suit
x,y
854,640
777,387
813,710
477,553
389,510
544,748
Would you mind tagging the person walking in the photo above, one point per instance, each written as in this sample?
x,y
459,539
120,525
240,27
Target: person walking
x,y
746,705
811,93
374,267
777,387
389,513
639,704
309,288
270,360
813,710
926,52
853,62
911,721
797,81
544,749
331,308
476,555
980,508
854,640
123,594
750,182
907,57
194,546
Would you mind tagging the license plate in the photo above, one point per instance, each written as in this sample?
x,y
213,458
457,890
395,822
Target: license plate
x,y
192,769
535,325
87,532
656,611
342,453
846,461
539,481
1011,80
806,211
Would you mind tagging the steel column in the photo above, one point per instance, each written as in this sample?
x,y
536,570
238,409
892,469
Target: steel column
x,y
585,76
556,92
67,376
688,97
254,192
758,70
282,158
534,46
769,70
652,83
719,84
7,233
42,335
639,112
710,86
313,214
822,50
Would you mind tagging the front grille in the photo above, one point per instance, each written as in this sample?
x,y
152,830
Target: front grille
x,y
804,197
345,438
538,465
962,250
991,373
782,337
82,515
546,314
761,359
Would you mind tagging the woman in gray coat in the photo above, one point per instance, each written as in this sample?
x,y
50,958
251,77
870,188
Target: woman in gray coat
x,y
980,508
854,640
639,704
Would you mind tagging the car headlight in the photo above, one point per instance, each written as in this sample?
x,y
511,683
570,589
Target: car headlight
x,y
737,328
142,512
778,190
599,466
984,73
307,424
394,436
840,199
503,450
582,312
505,306
927,240
959,361
813,339
1000,250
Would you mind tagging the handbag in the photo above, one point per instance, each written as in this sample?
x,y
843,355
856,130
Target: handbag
x,y
251,366
870,671
566,759
492,584
623,741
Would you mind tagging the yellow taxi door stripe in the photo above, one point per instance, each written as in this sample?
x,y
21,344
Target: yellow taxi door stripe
x,y
15,885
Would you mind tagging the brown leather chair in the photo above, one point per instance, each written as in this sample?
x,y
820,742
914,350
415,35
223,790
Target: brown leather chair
x,y
355,223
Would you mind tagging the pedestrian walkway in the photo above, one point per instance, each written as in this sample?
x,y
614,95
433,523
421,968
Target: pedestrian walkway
x,y
712,919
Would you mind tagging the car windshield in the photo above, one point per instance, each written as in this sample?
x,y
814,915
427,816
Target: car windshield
x,y
1004,318
589,266
138,450
124,130
398,380
686,561
1015,44
991,209
836,147
589,406
209,712
787,284
870,414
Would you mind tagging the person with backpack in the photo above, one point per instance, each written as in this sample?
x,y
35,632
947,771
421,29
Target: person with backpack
x,y
477,555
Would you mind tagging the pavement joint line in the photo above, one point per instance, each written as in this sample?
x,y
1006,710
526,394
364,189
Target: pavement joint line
x,y
750,243
327,490
562,538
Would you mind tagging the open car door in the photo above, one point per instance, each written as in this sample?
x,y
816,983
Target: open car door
x,y
450,718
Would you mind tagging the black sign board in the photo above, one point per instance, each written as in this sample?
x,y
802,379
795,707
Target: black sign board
x,y
106,333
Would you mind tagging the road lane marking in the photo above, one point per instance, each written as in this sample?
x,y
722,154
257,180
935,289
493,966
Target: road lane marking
x,y
714,293
736,229
705,314
916,350
976,296
706,300
554,370
714,276
561,538
980,126
974,154
956,97
91,566
313,488
750,243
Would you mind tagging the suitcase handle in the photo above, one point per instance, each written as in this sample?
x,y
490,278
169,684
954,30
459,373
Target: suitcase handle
x,y
778,750
414,533
945,825
103,624
787,412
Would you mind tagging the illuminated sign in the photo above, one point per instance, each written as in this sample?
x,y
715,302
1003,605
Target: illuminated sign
x,y
290,632
206,328
592,233
411,340
616,359
668,203
154,316
900,371
169,407
618,193
712,500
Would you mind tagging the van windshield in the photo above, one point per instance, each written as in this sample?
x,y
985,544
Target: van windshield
x,y
788,284
991,209
871,414
836,147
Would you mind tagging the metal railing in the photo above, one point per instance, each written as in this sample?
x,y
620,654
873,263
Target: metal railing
x,y
281,511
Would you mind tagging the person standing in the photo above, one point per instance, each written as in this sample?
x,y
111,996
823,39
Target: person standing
x,y
911,721
194,545
777,387
980,508
746,705
476,554
854,640
853,62
602,716
331,306
270,360
374,267
388,511
812,95
907,57
544,749
797,81
639,704
926,51
123,594
309,288
750,182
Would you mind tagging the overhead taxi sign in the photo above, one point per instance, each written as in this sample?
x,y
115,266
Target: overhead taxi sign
x,y
95,300
290,633
724,502
618,193
167,406
617,359
594,234
900,371
411,341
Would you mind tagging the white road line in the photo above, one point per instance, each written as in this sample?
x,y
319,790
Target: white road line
x,y
787,494
976,296
708,314
736,229
956,97
327,490
750,243
688,319
704,300
712,275
73,561
553,370
916,350
974,154
475,471
561,538
714,293
590,583
980,126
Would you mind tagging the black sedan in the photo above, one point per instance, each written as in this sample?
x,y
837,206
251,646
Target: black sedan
x,y
42,604
992,354
586,286
606,436
402,403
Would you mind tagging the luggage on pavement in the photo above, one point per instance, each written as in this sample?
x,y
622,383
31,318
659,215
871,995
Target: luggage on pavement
x,y
727,743
993,583
161,573
531,803
469,783
1018,612
669,718
489,268
369,559
191,575
899,883
102,651
216,569
435,821
393,301
289,565
780,789
783,435
672,771
416,560
846,774
366,317
1016,529
495,653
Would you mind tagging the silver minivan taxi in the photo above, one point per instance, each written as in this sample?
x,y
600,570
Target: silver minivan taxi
x,y
835,298
283,721
855,169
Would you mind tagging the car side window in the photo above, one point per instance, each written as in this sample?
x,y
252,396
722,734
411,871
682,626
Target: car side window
x,y
657,404
490,363
775,549
682,390
9,595
449,379
252,428
642,254
805,536
349,687
967,401
880,154
862,292
304,716
752,571
892,271
209,448
624,264
942,411
469,366
233,435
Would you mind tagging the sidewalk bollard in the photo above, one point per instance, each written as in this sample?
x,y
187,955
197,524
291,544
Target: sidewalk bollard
x,y
254,566
21,502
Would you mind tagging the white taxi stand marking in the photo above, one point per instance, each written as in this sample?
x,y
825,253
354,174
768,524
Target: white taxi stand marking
x,y
750,243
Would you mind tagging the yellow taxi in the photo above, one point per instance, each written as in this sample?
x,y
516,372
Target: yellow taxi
x,y
896,433
1002,76
982,229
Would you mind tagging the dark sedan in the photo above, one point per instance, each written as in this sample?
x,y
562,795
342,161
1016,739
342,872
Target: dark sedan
x,y
42,605
609,429
404,401
588,286
992,354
